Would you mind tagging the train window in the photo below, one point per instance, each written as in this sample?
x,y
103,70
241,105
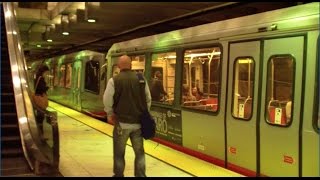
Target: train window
x,y
115,70
92,76
279,89
201,78
138,64
68,75
163,77
243,87
62,75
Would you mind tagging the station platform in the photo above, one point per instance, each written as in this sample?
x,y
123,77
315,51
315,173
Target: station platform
x,y
86,151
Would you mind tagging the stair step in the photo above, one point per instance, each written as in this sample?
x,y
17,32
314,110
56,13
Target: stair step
x,y
5,77
4,63
7,97
5,87
9,126
9,118
5,70
10,138
8,107
13,152
12,143
15,166
9,130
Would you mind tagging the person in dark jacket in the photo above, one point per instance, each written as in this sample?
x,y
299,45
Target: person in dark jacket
x,y
41,88
157,91
123,104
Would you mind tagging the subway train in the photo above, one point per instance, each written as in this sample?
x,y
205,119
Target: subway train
x,y
240,93
76,80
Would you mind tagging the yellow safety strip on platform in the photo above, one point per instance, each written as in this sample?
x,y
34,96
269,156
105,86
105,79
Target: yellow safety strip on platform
x,y
194,166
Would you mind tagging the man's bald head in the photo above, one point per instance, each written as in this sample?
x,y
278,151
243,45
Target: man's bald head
x,y
124,62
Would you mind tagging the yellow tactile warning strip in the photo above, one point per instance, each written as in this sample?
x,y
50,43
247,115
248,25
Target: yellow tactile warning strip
x,y
176,158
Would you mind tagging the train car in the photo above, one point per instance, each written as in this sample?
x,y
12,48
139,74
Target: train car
x,y
256,112
77,80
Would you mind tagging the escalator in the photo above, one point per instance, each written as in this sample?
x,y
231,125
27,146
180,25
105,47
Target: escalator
x,y
22,151
13,162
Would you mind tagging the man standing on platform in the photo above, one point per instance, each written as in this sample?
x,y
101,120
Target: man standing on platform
x,y
124,106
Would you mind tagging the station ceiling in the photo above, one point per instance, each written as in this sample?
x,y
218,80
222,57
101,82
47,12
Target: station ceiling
x,y
116,21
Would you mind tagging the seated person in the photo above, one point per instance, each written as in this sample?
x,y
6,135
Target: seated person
x,y
197,93
288,111
186,95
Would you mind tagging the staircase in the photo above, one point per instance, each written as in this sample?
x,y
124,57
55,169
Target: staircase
x,y
13,162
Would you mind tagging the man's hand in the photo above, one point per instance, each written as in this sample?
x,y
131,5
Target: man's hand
x,y
112,119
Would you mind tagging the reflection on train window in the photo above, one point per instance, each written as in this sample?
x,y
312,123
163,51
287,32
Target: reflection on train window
x,y
163,77
55,76
279,89
92,76
115,70
50,77
138,64
68,75
76,74
201,78
243,87
62,75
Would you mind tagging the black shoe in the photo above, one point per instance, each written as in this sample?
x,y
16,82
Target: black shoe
x,y
117,176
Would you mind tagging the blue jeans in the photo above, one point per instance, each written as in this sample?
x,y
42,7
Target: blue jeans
x,y
120,138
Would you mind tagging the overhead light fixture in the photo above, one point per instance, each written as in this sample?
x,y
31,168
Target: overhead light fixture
x,y
49,40
38,45
64,23
91,20
86,13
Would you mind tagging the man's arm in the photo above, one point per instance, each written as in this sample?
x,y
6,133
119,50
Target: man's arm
x,y
108,100
148,95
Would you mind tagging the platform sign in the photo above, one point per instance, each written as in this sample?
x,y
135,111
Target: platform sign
x,y
169,126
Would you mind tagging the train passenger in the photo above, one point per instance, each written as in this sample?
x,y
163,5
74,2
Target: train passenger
x,y
157,91
41,88
186,95
197,93
123,105
288,108
288,111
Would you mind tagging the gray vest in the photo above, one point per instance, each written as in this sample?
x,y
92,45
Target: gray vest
x,y
127,97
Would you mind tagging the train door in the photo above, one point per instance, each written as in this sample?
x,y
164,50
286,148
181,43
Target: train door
x,y
311,121
76,82
241,122
281,98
